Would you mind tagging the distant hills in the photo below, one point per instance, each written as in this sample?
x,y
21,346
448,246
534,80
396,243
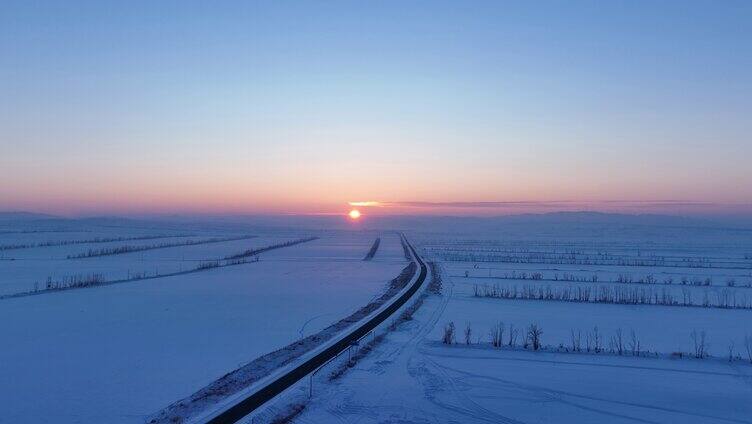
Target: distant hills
x,y
24,216
591,217
399,222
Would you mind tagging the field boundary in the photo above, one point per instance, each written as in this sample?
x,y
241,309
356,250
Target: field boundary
x,y
374,248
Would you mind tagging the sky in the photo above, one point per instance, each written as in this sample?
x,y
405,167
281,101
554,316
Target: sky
x,y
417,107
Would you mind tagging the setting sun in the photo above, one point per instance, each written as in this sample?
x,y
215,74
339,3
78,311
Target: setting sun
x,y
354,214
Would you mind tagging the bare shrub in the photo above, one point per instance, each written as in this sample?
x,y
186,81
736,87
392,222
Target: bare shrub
x,y
119,250
448,334
617,342
436,278
576,339
588,341
468,333
207,265
748,346
686,296
634,343
254,252
74,281
731,351
513,333
597,340
700,343
497,334
611,294
534,333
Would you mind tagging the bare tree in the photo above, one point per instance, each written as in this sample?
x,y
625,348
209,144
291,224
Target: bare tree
x,y
449,334
731,351
634,343
513,332
597,340
618,342
468,333
534,332
588,342
699,343
576,340
497,334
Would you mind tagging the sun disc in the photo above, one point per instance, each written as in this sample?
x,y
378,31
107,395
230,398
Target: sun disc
x,y
354,214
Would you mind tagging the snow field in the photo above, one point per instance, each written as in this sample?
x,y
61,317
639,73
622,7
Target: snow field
x,y
21,275
119,353
411,377
659,329
663,329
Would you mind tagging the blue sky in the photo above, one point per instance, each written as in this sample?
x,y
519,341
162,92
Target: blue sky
x,y
305,106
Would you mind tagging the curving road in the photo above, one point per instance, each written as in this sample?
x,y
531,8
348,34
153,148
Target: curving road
x,y
257,398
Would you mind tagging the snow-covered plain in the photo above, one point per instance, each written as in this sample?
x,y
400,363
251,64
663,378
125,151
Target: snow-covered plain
x,y
121,352
412,377
31,268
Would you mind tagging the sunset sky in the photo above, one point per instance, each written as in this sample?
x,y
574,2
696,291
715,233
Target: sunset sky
x,y
424,107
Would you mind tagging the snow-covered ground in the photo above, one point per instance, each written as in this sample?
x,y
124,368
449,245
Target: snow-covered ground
x,y
32,267
658,328
119,353
122,352
390,248
412,377
330,248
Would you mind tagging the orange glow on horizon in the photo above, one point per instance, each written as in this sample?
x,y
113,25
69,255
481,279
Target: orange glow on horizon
x,y
368,203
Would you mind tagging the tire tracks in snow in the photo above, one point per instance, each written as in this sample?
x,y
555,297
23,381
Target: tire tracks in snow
x,y
557,396
556,362
417,367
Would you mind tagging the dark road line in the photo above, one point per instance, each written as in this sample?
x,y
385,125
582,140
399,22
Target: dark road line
x,y
266,393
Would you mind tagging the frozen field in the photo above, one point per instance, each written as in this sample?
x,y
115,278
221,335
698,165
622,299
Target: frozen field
x,y
661,282
390,248
121,352
659,329
413,377
32,267
344,247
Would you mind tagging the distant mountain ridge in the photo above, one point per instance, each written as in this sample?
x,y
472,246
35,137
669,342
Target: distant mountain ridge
x,y
594,217
400,222
24,216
